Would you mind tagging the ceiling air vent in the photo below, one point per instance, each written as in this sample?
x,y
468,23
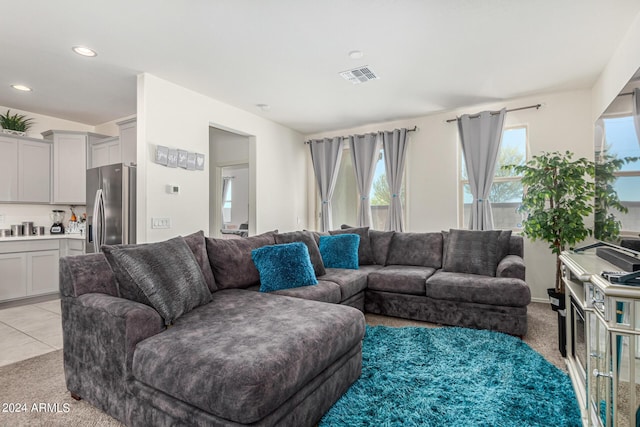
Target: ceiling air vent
x,y
359,75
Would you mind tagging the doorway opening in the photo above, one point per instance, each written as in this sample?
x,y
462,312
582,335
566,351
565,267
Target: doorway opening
x,y
231,190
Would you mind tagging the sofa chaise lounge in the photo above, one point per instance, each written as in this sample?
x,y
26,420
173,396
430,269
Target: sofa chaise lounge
x,y
234,356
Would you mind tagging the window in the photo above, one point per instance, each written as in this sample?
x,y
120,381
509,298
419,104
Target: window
x,y
506,191
344,202
622,143
226,203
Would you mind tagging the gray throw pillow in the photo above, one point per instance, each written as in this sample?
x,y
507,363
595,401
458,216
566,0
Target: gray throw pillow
x,y
420,249
167,273
309,240
472,251
198,246
231,261
504,244
365,256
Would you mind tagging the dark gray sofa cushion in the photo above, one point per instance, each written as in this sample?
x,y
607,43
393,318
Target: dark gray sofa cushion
x,y
511,266
231,261
324,291
473,252
402,279
380,243
350,281
196,243
473,288
507,244
421,249
308,239
246,353
365,256
166,272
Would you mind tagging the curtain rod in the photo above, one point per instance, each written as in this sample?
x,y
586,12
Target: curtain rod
x,y
475,116
415,128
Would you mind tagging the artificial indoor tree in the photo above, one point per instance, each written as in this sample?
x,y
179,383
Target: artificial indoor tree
x,y
559,195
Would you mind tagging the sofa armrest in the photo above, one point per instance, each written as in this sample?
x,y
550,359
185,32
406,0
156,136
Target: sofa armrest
x,y
511,266
100,332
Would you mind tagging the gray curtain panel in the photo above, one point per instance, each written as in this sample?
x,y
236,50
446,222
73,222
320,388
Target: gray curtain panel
x,y
635,98
326,155
480,138
365,150
394,144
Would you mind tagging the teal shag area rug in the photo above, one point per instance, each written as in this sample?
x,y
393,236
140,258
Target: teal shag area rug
x,y
453,377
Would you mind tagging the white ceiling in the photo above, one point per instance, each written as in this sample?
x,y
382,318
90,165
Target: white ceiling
x,y
431,55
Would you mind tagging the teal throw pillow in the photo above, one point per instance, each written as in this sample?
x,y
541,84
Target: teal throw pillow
x,y
284,266
340,251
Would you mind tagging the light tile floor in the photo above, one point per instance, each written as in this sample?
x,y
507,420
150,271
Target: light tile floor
x,y
29,330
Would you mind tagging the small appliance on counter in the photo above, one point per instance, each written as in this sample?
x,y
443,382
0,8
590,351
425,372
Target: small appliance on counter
x,y
16,230
27,228
57,216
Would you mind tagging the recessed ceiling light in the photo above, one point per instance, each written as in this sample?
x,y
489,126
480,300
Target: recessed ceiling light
x,y
264,107
22,88
356,54
84,51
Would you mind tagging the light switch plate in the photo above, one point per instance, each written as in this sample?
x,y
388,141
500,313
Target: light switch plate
x,y
160,223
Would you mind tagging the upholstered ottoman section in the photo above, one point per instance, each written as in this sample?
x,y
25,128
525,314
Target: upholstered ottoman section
x,y
402,279
246,353
324,291
473,288
351,282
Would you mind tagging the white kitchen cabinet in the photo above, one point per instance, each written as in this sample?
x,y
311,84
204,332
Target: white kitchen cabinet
x,y
25,170
29,268
128,141
105,152
69,247
13,270
8,169
70,164
42,272
34,172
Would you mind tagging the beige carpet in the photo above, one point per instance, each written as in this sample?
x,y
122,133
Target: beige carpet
x,y
40,380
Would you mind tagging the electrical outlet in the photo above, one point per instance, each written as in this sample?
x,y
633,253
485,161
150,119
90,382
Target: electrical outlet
x,y
160,222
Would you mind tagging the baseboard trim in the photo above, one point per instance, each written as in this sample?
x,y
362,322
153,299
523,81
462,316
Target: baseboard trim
x,y
29,300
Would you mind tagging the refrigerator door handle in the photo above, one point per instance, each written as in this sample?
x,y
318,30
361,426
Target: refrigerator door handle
x,y
103,221
96,221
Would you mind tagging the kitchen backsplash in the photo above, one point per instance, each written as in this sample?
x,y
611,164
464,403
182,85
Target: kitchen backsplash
x,y
16,213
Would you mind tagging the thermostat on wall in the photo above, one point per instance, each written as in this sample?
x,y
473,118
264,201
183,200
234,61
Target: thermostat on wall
x,y
173,189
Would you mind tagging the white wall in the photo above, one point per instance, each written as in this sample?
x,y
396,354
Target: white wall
x,y
173,116
111,128
433,158
622,65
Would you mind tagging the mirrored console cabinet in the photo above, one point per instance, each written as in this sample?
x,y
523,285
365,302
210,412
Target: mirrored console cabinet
x,y
603,341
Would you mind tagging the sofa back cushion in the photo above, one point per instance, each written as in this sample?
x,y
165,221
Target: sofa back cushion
x,y
165,273
422,249
284,266
516,246
473,252
231,261
198,246
380,243
507,245
309,240
83,274
365,256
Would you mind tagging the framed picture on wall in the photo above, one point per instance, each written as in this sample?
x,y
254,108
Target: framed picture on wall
x,y
182,159
199,161
172,158
191,161
162,155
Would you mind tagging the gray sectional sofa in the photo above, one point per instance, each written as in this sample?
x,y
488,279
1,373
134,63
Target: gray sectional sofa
x,y
224,354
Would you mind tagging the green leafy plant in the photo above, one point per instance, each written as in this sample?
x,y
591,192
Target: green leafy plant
x,y
559,195
17,122
606,225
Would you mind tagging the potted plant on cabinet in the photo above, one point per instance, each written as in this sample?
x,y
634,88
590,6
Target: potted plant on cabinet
x,y
16,124
559,195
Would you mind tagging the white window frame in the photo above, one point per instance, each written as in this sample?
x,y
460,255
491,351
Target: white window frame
x,y
462,182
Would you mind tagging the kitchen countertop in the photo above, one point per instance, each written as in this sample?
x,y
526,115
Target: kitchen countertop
x,y
72,236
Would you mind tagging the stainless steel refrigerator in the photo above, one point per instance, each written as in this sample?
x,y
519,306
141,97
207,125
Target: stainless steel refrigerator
x,y
111,206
